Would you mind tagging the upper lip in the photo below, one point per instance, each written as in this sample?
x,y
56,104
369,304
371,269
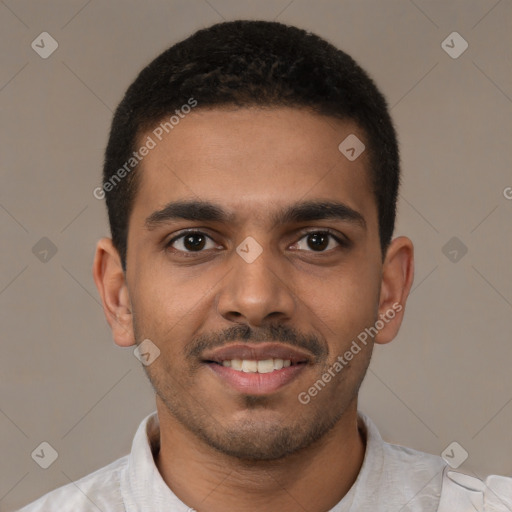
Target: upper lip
x,y
258,352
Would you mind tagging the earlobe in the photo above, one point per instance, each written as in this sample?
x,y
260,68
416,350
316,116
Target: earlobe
x,y
111,283
397,279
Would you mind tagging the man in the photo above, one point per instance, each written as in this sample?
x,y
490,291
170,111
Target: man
x,y
251,179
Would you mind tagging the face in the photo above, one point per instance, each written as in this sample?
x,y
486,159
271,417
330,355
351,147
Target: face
x,y
253,262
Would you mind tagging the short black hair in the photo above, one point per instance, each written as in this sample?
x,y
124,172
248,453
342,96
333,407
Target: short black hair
x,y
250,63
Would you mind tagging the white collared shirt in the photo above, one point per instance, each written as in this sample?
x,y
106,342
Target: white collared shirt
x,y
392,479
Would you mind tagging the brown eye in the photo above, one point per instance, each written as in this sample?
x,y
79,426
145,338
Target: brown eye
x,y
194,242
319,241
191,242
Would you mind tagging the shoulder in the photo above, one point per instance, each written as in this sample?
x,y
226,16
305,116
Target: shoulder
x,y
404,478
438,482
408,457
398,460
99,490
415,476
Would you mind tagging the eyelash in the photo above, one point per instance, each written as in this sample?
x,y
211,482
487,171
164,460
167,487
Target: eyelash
x,y
343,243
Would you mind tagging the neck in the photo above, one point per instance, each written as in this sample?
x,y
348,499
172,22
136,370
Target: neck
x,y
315,479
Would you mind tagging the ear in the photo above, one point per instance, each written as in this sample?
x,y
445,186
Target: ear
x,y
397,278
111,283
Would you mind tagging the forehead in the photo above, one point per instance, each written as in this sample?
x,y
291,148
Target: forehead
x,y
251,160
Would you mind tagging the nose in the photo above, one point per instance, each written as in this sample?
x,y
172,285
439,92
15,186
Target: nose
x,y
256,292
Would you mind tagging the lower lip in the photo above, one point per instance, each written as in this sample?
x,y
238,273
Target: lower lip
x,y
257,383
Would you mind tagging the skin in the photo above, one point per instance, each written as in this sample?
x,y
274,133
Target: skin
x,y
222,449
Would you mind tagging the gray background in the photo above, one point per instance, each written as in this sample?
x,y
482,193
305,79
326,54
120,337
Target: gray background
x,y
446,377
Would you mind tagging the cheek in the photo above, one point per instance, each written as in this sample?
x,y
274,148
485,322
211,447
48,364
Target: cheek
x,y
162,293
168,307
155,305
346,302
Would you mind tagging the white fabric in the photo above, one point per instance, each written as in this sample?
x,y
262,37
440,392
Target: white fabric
x,y
392,479
465,493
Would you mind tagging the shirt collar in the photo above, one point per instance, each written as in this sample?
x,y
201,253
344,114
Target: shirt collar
x,y
371,471
142,487
144,490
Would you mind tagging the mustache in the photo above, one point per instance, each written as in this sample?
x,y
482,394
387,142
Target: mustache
x,y
272,333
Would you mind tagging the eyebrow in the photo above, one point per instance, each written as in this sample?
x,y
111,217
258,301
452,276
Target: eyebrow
x,y
205,211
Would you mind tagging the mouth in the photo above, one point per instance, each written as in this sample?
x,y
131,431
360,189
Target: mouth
x,y
257,369
255,366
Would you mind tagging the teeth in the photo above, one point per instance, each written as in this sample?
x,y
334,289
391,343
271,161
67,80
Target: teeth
x,y
236,364
266,366
251,366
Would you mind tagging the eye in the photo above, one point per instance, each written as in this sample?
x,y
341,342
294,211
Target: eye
x,y
319,241
191,241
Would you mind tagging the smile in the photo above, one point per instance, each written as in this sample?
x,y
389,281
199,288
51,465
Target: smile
x,y
257,369
253,366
